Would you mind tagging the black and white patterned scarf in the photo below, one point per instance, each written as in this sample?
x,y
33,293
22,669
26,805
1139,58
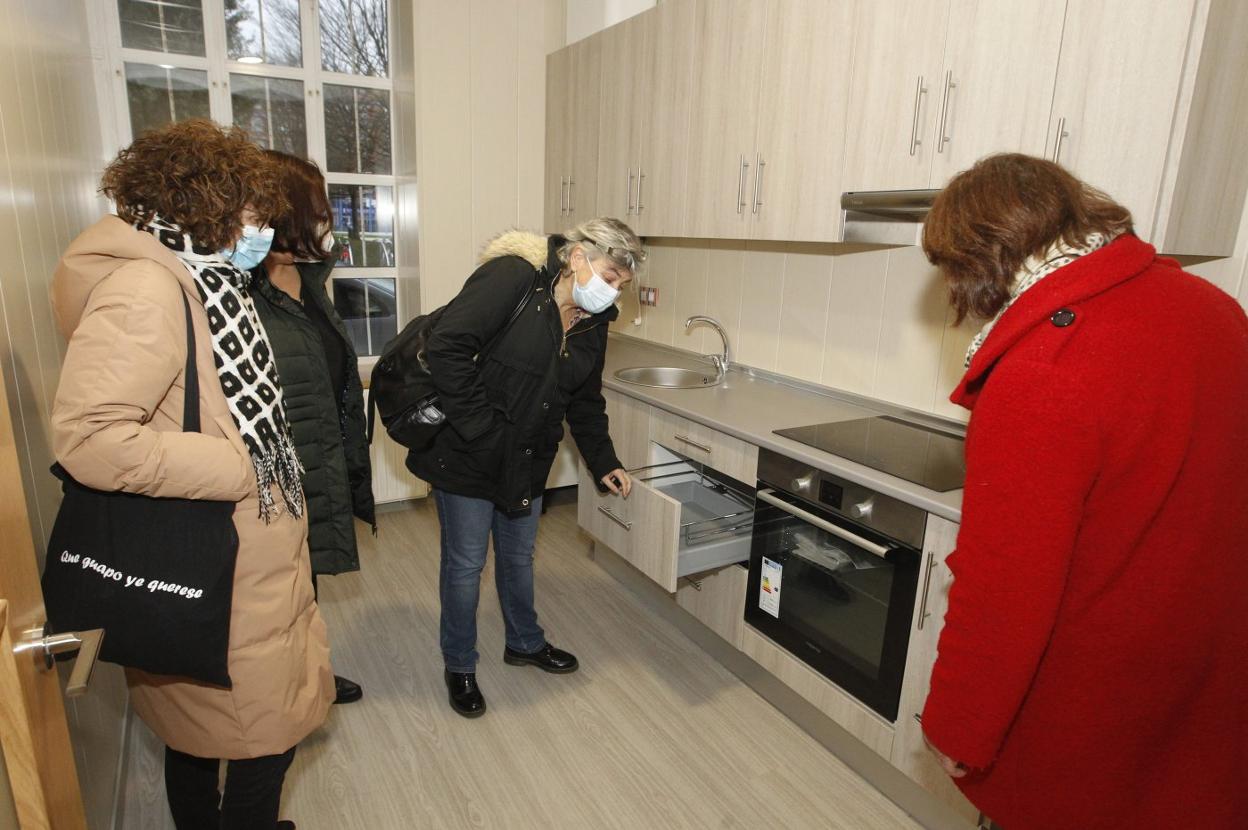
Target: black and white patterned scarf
x,y
245,365
1034,270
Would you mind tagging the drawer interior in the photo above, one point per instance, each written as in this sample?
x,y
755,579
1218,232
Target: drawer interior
x,y
716,517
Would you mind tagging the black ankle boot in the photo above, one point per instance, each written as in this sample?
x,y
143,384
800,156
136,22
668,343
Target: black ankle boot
x,y
465,696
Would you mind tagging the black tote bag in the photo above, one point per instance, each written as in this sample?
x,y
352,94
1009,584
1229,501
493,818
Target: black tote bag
x,y
157,574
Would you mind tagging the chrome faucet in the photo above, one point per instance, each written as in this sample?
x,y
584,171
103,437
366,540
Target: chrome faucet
x,y
721,361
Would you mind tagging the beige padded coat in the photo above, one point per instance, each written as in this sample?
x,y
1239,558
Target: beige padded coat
x,y
116,425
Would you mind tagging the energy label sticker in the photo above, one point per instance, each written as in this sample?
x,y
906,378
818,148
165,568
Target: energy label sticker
x,y
769,587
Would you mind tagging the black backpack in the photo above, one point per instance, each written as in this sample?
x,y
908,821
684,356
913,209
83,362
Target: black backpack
x,y
401,388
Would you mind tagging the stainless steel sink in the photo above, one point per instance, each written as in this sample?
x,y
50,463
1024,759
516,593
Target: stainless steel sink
x,y
668,377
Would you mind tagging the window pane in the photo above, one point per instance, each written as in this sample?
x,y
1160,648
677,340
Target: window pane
x,y
163,25
369,311
357,129
264,31
363,225
271,111
355,37
158,96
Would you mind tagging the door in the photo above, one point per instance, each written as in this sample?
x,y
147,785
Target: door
x,y
1117,88
558,145
33,730
997,88
801,126
584,84
730,39
626,73
894,94
671,29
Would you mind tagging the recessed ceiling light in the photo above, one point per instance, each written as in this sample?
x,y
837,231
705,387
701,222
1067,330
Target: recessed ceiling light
x,y
251,59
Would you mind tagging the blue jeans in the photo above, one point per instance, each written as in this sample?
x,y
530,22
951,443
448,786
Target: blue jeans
x,y
466,526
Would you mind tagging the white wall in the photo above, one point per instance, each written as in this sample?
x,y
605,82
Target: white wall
x,y
481,130
585,17
50,158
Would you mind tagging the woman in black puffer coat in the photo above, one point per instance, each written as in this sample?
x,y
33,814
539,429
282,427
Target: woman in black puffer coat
x,y
320,377
505,413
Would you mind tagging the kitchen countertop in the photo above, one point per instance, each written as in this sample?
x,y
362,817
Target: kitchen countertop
x,y
749,406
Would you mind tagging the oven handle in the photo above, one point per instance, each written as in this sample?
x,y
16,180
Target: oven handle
x,y
866,544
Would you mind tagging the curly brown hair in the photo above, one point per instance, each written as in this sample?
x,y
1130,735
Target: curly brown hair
x,y
989,219
197,175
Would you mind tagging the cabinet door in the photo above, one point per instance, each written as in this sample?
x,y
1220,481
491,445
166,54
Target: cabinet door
x,y
585,85
558,147
664,141
730,38
629,423
717,599
997,88
626,72
801,127
909,752
894,96
1117,88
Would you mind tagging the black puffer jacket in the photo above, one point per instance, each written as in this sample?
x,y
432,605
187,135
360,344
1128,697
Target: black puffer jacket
x,y
327,424
506,416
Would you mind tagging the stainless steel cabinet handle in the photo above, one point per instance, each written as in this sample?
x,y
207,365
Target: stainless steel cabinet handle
x,y
927,584
866,544
1061,134
630,192
694,444
919,92
745,165
759,164
45,646
571,200
641,177
944,111
610,514
563,205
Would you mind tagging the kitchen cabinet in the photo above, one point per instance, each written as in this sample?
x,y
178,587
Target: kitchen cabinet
x,y
717,600
1150,106
938,85
627,75
721,452
629,424
573,78
909,752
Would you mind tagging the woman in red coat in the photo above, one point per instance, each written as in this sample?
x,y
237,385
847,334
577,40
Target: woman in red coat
x,y
1093,667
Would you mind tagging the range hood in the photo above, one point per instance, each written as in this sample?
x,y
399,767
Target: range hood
x,y
886,217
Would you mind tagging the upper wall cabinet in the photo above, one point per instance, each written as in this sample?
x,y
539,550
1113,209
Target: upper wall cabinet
x,y
647,71
573,78
1152,108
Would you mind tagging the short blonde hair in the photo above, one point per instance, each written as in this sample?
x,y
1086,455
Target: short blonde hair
x,y
605,237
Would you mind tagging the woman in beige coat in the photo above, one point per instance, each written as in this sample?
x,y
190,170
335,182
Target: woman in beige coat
x,y
183,194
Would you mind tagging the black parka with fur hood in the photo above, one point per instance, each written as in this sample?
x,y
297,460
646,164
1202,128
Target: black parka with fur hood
x,y
506,415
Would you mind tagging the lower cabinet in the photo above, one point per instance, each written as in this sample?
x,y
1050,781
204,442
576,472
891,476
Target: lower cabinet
x,y
910,754
717,599
717,450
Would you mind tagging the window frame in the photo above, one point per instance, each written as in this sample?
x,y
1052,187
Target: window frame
x,y
219,68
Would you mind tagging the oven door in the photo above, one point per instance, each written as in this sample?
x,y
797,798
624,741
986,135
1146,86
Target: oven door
x,y
837,595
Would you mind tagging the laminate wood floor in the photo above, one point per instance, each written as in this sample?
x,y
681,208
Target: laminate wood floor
x,y
650,733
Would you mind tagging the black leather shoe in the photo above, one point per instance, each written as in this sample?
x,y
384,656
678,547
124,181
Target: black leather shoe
x,y
465,696
285,825
547,658
346,691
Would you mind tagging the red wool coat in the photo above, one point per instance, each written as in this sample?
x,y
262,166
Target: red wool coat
x,y
1093,667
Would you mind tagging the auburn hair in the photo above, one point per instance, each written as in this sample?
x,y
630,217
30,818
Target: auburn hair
x,y
989,219
301,228
197,175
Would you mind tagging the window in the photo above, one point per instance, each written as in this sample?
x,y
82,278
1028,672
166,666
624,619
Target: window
x,y
308,77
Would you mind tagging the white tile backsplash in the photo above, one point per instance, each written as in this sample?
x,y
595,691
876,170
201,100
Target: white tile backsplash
x,y
804,315
759,340
855,316
908,357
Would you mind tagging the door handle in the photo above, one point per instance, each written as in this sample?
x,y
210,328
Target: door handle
x,y
629,191
44,647
944,112
610,514
1061,134
919,92
745,165
759,164
641,177
927,585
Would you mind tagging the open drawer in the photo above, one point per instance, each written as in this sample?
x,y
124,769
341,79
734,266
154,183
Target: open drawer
x,y
678,521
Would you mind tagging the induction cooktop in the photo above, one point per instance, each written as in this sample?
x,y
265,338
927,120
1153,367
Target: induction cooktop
x,y
923,455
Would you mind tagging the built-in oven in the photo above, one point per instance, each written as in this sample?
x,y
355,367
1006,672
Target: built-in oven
x,y
834,567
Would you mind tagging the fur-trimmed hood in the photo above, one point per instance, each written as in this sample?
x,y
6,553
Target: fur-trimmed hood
x,y
528,245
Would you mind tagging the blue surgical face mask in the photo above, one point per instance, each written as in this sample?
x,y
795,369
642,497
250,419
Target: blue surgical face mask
x,y
251,249
596,295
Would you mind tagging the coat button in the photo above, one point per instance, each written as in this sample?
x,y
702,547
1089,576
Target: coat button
x,y
524,502
528,452
545,405
1062,318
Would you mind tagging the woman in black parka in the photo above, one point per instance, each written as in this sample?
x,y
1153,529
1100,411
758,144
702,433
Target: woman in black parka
x,y
320,376
505,411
